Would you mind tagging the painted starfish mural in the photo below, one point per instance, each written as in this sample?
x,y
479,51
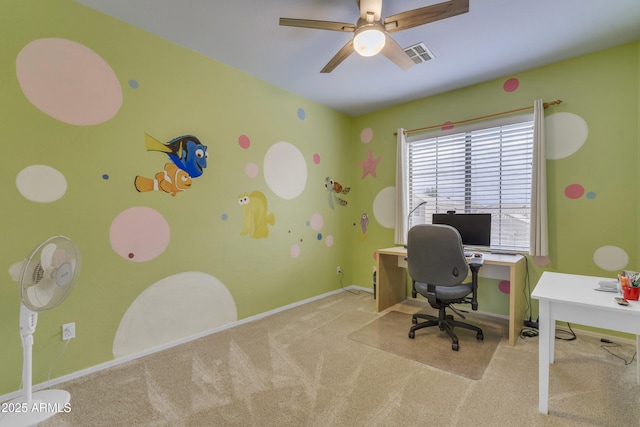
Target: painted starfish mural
x,y
369,164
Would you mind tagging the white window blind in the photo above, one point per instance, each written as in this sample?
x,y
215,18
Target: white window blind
x,y
480,170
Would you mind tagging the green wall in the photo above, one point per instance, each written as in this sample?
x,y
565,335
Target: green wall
x,y
168,91
600,88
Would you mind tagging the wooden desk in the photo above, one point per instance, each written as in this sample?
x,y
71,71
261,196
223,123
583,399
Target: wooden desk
x,y
391,285
573,298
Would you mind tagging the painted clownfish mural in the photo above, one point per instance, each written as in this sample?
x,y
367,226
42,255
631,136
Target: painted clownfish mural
x,y
255,216
334,188
171,180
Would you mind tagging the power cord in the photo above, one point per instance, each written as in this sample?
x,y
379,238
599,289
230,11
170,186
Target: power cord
x,y
571,337
341,274
614,345
55,360
529,332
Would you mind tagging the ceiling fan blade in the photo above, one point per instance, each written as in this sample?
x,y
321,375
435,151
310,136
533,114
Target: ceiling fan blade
x,y
342,54
374,6
424,15
394,52
318,25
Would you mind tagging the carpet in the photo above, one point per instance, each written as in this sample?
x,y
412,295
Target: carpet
x,y
432,346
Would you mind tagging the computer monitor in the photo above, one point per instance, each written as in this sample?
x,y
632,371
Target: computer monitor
x,y
474,229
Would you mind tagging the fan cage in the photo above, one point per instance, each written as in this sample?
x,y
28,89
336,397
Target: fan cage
x,y
33,272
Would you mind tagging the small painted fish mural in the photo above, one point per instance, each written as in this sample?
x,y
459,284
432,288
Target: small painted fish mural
x,y
334,188
364,223
255,216
186,152
170,180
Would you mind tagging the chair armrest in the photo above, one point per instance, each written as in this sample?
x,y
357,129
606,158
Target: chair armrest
x,y
431,295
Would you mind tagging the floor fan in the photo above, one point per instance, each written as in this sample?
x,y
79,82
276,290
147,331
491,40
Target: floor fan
x,y
45,279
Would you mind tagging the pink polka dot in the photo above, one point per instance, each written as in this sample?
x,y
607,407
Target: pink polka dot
x,y
317,221
375,256
244,142
251,170
68,81
447,126
139,234
511,84
366,135
316,159
574,191
542,261
295,251
329,241
504,286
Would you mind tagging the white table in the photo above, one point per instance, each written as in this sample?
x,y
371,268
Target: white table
x,y
573,298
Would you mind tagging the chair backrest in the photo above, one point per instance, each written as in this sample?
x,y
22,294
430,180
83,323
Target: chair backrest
x,y
435,255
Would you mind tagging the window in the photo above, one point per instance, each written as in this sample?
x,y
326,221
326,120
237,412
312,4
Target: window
x,y
483,169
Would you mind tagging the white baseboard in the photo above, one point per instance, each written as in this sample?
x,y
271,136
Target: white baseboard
x,y
121,360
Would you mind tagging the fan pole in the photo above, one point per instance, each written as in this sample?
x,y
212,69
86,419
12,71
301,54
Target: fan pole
x,y
28,322
27,346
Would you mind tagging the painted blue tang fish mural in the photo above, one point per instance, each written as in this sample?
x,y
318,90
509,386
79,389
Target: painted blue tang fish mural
x,y
186,152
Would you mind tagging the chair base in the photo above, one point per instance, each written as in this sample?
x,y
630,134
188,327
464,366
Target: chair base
x,y
446,323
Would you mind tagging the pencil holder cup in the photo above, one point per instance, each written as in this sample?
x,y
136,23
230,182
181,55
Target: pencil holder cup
x,y
630,293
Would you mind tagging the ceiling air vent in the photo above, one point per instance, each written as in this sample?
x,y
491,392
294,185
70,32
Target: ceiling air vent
x,y
419,53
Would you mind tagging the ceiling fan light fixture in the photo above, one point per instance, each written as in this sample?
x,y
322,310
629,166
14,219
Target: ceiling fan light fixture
x,y
369,40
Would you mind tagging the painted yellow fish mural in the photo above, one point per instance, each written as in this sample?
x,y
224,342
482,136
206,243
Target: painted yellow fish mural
x,y
255,216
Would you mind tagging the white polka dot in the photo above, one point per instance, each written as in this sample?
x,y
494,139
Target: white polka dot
x,y
384,207
610,258
565,133
285,170
176,307
41,183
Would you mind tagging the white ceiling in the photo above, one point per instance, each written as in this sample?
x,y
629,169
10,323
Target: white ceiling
x,y
496,38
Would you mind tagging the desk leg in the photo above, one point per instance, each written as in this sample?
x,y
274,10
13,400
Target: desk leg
x,y
545,347
517,278
638,361
392,282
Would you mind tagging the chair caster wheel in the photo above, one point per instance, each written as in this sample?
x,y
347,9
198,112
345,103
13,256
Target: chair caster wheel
x,y
412,334
480,336
455,346
414,294
414,321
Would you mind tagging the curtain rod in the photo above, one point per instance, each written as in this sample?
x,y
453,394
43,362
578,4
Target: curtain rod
x,y
545,105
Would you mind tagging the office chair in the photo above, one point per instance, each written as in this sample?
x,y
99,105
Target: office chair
x,y
437,264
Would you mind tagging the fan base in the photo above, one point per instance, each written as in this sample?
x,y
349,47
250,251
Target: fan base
x,y
44,405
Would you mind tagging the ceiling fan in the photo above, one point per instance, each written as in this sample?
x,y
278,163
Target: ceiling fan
x,y
371,33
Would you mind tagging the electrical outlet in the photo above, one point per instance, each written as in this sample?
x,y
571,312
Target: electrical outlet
x,y
338,270
68,331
